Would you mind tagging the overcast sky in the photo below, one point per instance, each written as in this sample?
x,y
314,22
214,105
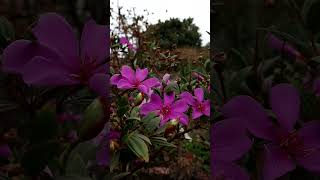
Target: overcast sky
x,y
199,10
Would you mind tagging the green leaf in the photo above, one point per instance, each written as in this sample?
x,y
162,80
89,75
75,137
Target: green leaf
x,y
311,15
120,175
6,31
73,178
151,122
123,106
76,165
93,116
114,161
161,141
145,138
137,145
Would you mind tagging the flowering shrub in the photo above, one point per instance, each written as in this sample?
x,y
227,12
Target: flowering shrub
x,y
157,109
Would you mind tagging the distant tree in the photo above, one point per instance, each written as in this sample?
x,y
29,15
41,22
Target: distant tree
x,y
175,33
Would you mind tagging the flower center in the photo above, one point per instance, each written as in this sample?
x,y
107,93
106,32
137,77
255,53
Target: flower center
x,y
166,110
136,83
200,107
293,145
87,67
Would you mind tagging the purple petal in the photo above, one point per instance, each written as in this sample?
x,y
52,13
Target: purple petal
x,y
123,41
276,163
282,46
198,93
124,84
187,97
180,106
246,108
128,72
99,84
310,133
310,161
163,120
144,89
151,82
114,80
168,98
141,74
228,171
102,156
316,87
206,108
156,100
196,113
229,140
20,52
285,103
44,72
148,108
54,31
183,119
95,42
5,151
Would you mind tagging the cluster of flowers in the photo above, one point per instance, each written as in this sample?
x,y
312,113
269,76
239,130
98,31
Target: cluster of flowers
x,y
284,147
168,108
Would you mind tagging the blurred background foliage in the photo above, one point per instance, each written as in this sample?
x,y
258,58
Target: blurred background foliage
x,y
245,64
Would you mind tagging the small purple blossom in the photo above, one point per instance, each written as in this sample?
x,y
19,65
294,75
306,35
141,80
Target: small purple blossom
x,y
58,59
130,79
199,105
287,146
125,42
167,109
282,46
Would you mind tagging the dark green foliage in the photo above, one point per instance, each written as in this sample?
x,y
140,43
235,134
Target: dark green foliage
x,y
175,32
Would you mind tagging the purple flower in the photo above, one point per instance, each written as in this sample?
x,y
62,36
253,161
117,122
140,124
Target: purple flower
x,y
287,147
229,142
168,109
125,42
282,46
199,105
114,135
130,79
5,151
57,59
